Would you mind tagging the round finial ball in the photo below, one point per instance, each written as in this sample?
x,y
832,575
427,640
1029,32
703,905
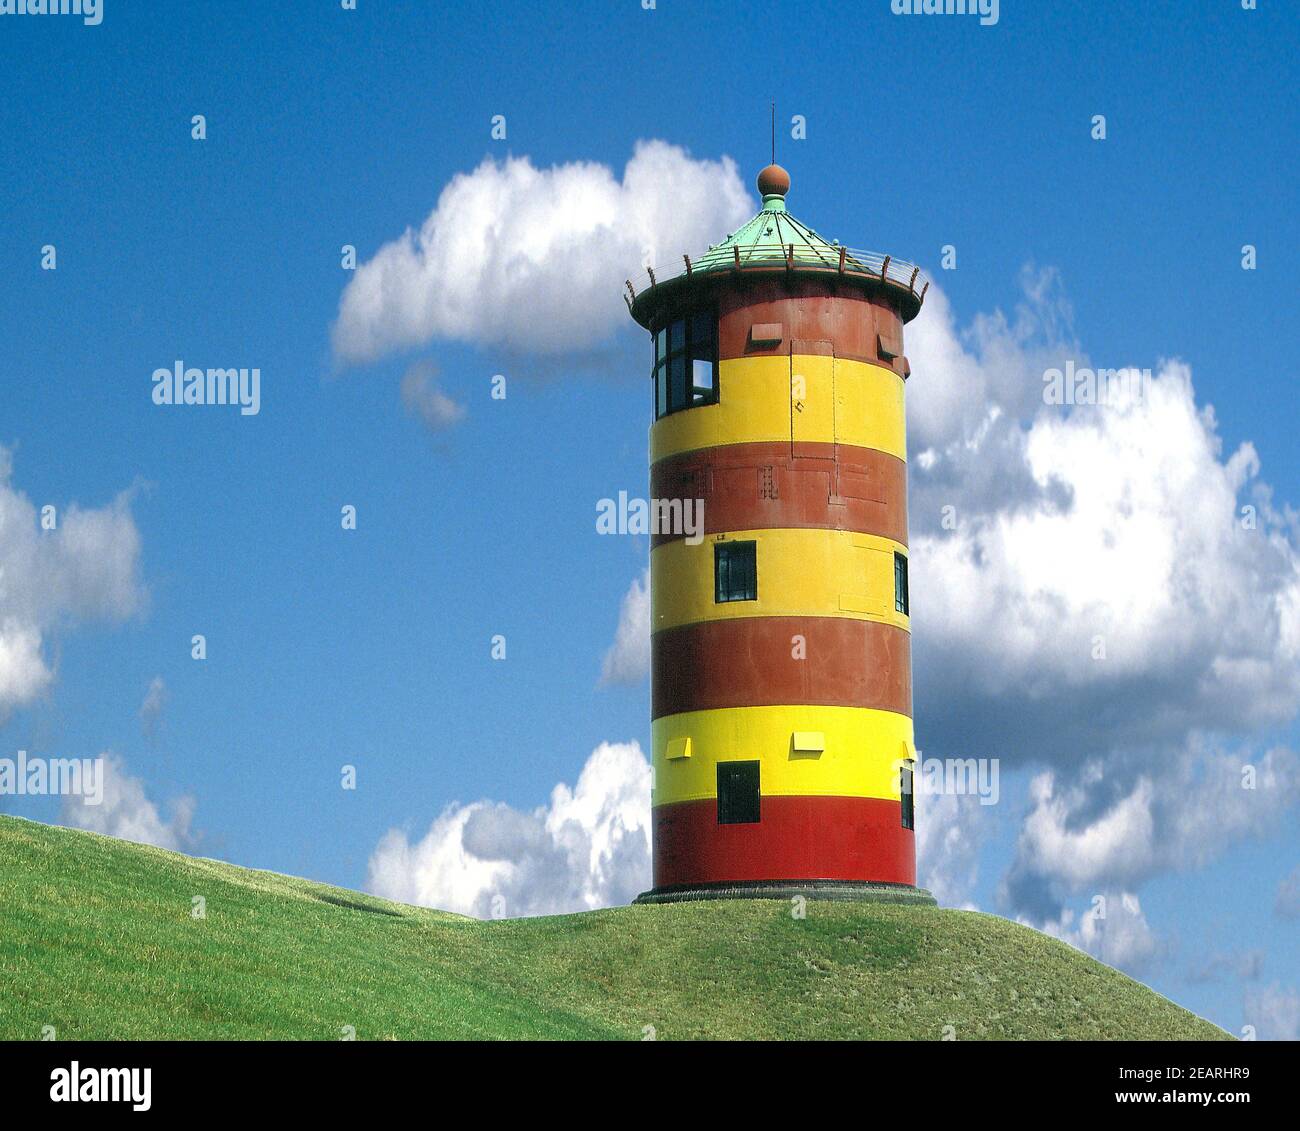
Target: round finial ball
x,y
774,181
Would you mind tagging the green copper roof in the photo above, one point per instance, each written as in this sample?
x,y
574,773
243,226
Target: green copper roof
x,y
772,234
774,241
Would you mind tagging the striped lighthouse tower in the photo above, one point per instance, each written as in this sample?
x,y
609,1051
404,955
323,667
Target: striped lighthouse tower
x,y
781,665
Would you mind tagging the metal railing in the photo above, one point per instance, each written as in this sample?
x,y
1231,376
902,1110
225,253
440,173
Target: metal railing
x,y
801,257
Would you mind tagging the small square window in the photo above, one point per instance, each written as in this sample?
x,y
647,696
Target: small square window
x,y
735,572
907,797
900,584
738,794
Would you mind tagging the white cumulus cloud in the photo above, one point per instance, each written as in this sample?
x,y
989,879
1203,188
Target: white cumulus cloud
x,y
24,674
1082,579
85,568
1132,817
588,848
1113,929
628,659
1082,575
126,811
534,259
950,830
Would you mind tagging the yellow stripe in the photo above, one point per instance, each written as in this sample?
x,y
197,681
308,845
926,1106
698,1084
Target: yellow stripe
x,y
805,397
814,572
863,749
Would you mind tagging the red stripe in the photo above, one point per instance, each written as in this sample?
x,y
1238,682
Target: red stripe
x,y
750,662
798,838
808,312
788,485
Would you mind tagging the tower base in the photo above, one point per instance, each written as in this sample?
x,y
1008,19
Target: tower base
x,y
838,890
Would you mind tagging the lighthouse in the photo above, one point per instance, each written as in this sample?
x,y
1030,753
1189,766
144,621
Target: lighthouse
x,y
781,687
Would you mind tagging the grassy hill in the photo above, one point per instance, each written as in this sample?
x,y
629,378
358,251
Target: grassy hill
x,y
97,939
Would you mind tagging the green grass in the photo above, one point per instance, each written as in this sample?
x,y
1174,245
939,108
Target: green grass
x,y
97,939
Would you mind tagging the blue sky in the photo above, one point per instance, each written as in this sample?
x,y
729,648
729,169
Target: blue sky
x,y
371,647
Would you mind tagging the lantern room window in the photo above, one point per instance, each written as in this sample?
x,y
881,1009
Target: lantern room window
x,y
686,364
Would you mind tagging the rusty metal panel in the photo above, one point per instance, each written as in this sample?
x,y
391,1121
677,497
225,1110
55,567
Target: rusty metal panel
x,y
749,662
765,486
851,321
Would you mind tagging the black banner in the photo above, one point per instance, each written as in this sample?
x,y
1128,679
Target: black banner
x,y
345,1078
